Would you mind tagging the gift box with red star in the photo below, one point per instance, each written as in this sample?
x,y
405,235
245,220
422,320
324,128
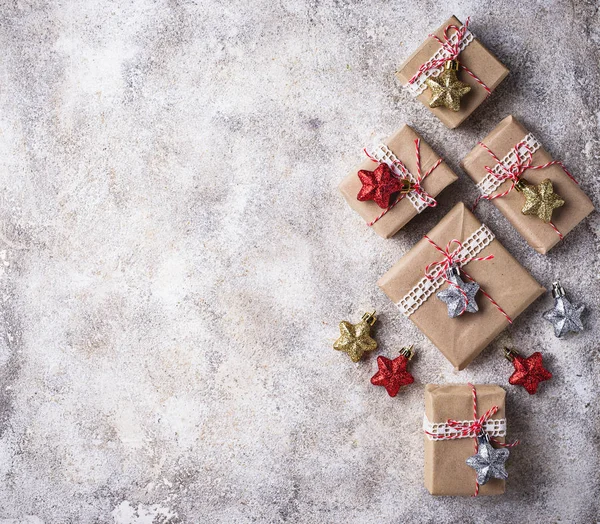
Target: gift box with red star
x,y
372,187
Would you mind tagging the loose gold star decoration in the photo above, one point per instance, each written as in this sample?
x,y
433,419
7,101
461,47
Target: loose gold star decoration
x,y
355,339
540,200
447,89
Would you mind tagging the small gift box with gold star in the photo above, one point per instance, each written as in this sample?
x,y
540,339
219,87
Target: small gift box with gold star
x,y
538,195
460,286
451,73
398,179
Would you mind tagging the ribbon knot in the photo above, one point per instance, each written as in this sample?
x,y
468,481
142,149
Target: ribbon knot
x,y
415,185
439,268
473,428
512,172
515,170
450,51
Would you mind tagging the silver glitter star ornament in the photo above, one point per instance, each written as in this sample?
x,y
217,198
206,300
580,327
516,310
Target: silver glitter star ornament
x,y
489,461
564,316
454,299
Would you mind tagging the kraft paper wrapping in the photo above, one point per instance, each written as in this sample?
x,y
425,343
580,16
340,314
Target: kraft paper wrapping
x,y
446,472
475,56
402,144
461,339
539,236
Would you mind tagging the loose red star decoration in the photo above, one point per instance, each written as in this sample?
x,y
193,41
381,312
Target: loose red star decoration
x,y
378,185
529,372
392,374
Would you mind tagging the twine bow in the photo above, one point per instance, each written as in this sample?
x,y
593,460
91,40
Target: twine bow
x,y
439,268
451,50
515,170
412,183
472,429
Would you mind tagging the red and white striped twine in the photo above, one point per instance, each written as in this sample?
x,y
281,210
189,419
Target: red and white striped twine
x,y
452,50
472,429
417,188
515,171
438,269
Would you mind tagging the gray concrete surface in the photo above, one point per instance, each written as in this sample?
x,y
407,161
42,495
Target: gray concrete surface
x,y
175,259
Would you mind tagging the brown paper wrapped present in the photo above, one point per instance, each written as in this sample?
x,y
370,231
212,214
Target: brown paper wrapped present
x,y
504,280
502,142
446,471
479,60
402,145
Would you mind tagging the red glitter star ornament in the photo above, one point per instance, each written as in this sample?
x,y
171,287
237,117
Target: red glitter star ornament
x,y
379,185
529,372
392,374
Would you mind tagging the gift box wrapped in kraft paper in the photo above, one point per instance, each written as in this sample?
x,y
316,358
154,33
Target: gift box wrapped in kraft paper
x,y
460,322
455,52
413,176
511,157
479,412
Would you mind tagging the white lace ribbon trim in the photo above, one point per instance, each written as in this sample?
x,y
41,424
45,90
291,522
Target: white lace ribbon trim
x,y
472,246
489,184
441,430
418,86
384,155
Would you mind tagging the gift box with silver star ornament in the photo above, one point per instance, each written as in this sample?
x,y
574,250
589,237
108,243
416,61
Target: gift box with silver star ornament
x,y
460,286
464,428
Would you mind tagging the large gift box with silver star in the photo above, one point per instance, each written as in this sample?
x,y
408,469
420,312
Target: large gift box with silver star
x,y
373,185
546,204
439,96
452,466
460,286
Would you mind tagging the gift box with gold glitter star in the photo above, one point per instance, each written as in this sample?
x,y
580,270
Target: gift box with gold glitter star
x,y
460,286
398,179
451,73
538,195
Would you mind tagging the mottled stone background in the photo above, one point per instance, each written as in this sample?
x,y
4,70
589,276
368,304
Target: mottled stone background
x,y
175,259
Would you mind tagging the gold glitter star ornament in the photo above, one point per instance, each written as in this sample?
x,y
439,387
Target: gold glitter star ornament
x,y
540,200
355,339
447,89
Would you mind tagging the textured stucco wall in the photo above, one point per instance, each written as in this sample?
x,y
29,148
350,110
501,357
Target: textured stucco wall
x,y
175,258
